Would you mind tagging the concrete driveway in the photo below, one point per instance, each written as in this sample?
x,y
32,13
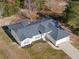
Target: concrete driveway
x,y
70,50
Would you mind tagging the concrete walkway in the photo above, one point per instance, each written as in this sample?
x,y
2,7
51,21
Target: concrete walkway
x,y
70,50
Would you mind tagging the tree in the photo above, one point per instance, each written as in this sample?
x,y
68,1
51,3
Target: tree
x,y
71,14
10,9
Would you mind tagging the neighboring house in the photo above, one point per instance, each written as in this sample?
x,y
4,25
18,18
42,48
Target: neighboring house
x,y
25,33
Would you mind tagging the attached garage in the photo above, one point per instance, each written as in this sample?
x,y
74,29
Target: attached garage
x,y
58,36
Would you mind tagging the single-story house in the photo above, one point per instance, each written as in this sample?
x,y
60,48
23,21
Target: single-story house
x,y
27,32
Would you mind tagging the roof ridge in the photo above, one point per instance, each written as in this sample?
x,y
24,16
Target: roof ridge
x,y
57,33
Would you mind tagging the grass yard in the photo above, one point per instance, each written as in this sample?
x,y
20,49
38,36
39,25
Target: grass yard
x,y
4,37
39,50
2,55
19,52
45,51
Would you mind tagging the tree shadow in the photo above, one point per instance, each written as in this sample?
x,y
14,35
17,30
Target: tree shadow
x,y
76,31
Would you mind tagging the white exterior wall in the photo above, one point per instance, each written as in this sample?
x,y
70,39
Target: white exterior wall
x,y
62,40
28,41
25,42
38,37
44,37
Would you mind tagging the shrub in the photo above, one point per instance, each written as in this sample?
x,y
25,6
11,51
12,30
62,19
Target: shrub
x,y
11,9
76,31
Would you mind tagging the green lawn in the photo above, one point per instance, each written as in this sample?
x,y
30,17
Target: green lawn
x,y
45,51
2,55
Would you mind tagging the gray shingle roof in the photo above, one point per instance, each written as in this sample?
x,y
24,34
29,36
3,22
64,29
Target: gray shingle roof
x,y
26,30
18,26
59,34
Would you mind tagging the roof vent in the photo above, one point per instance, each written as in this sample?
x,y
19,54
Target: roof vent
x,y
29,22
